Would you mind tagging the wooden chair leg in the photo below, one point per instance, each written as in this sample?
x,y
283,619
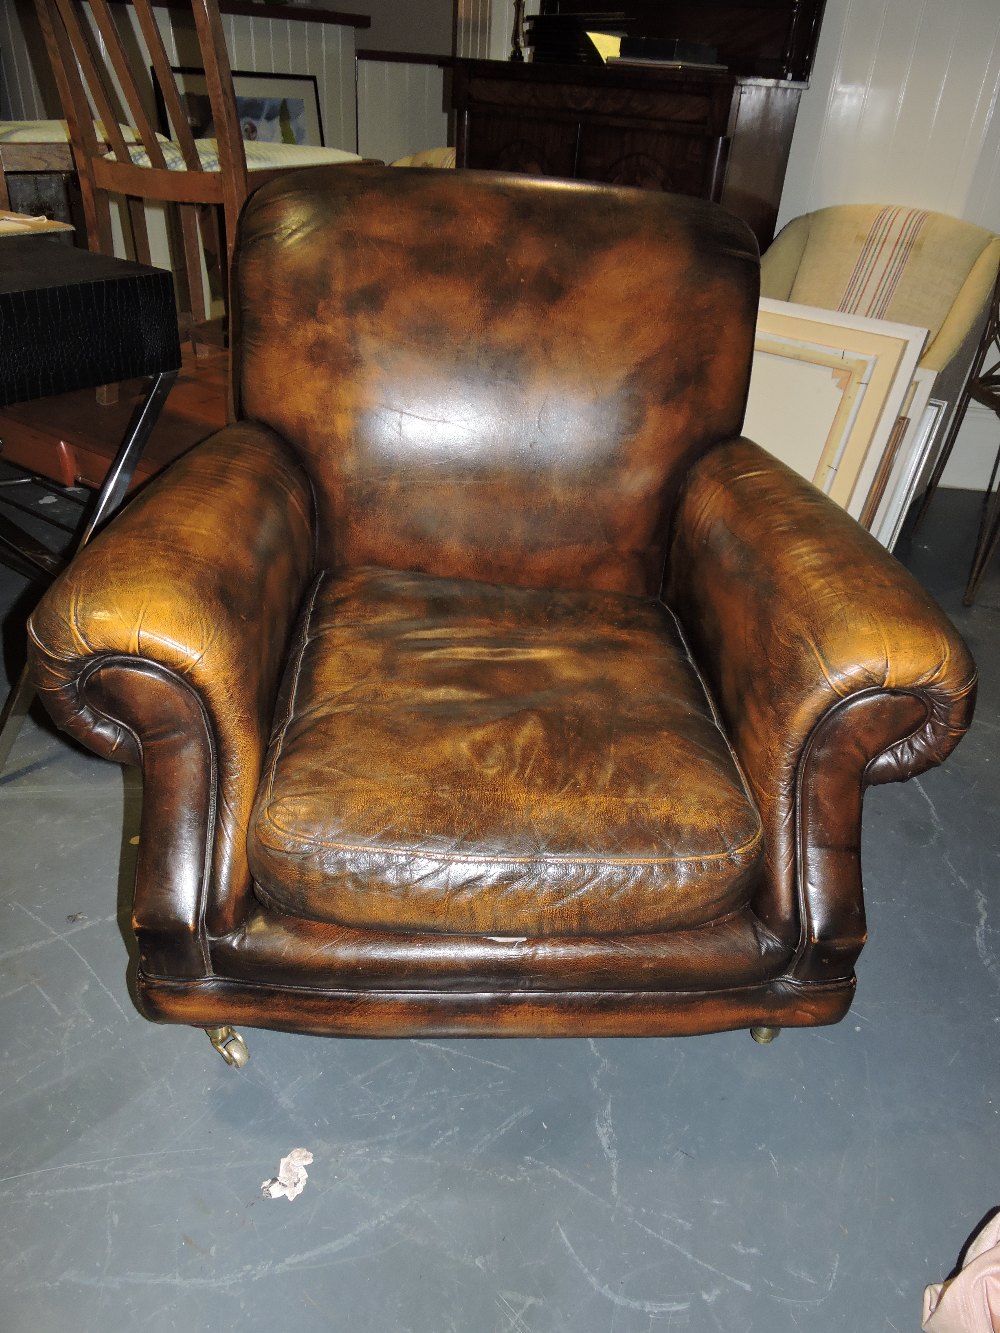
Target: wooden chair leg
x,y
941,462
989,538
990,339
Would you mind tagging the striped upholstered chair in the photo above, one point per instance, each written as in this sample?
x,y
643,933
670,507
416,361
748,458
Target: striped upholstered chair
x,y
903,264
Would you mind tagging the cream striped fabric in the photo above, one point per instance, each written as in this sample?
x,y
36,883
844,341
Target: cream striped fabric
x,y
892,262
899,263
882,261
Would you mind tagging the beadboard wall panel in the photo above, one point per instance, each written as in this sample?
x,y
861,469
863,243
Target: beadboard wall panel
x,y
400,108
284,46
21,98
473,29
901,109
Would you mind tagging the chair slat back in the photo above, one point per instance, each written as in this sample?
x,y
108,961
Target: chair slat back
x,y
69,78
119,61
99,71
180,130
228,131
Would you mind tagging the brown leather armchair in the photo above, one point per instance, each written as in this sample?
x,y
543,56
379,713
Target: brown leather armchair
x,y
484,681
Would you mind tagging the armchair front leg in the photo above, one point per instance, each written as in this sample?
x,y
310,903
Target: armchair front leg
x,y
832,670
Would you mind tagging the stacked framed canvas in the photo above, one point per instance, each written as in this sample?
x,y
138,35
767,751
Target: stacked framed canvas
x,y
840,399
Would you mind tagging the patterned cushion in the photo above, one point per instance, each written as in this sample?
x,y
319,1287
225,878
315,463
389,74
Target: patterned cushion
x,y
55,131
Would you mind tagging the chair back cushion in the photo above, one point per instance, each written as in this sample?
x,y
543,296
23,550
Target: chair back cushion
x,y
493,377
891,262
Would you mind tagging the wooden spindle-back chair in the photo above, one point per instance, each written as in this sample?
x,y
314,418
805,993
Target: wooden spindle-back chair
x,y
119,152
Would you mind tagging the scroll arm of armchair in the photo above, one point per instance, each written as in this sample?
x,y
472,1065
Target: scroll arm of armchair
x,y
162,645
831,669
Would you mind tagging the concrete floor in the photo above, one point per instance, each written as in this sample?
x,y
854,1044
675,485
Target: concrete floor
x,y
580,1186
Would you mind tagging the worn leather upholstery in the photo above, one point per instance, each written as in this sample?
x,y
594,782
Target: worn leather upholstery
x,y
500,761
483,679
474,395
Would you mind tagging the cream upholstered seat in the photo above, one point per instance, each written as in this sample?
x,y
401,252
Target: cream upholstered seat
x,y
260,154
903,264
909,265
427,157
44,131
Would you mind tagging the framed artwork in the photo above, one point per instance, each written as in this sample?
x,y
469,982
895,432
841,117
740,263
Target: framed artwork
x,y
273,108
923,418
828,396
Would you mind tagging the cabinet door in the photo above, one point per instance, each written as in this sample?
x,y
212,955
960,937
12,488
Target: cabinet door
x,y
501,139
652,159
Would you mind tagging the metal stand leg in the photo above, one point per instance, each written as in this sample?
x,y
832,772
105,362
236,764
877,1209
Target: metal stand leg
x,y
120,474
948,444
989,538
15,710
976,384
109,497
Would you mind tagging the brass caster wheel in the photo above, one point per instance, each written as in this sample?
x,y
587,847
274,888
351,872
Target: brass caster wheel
x,y
764,1035
230,1045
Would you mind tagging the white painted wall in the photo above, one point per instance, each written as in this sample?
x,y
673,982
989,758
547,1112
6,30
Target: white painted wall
x,y
901,108
400,109
485,26
423,26
904,108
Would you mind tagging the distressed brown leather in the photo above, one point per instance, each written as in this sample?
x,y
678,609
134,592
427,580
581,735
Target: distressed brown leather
x,y
196,587
795,614
475,394
733,951
491,760
485,579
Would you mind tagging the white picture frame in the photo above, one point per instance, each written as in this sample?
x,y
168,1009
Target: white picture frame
x,y
926,415
827,394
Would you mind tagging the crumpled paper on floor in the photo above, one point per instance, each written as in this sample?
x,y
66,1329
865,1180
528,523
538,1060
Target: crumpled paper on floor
x,y
291,1178
970,1301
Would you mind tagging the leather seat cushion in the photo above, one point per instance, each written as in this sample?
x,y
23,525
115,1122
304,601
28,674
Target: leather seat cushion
x,y
454,756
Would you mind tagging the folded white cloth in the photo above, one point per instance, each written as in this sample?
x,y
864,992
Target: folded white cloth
x,y
970,1301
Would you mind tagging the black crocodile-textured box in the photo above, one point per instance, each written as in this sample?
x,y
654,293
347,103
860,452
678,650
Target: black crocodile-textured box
x,y
70,319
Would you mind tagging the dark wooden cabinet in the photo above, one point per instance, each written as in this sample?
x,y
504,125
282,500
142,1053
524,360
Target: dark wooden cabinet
x,y
721,131
708,133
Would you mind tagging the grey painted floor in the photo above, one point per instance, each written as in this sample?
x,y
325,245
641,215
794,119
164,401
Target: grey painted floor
x,y
598,1187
